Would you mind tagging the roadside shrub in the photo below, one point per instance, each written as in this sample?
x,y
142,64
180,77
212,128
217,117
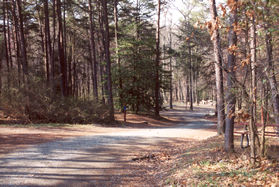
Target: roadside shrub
x,y
40,105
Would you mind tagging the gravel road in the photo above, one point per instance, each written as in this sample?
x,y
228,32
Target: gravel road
x,y
94,160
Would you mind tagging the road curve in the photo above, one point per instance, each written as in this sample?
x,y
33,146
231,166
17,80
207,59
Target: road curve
x,y
95,160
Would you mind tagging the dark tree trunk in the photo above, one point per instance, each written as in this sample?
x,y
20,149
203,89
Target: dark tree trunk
x,y
117,53
53,46
6,45
23,57
48,51
270,70
23,53
9,39
264,113
218,72
157,63
43,43
75,84
230,98
171,86
16,41
101,43
65,35
190,78
93,52
63,67
108,60
186,90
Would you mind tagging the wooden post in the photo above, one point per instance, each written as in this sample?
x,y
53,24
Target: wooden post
x,y
124,110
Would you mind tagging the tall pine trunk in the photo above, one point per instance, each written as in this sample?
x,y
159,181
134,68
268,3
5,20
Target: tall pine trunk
x,y
117,53
218,72
6,45
53,42
93,63
171,86
48,51
108,60
190,77
157,62
23,57
16,42
61,50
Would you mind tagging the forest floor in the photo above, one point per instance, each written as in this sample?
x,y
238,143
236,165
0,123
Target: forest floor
x,y
174,150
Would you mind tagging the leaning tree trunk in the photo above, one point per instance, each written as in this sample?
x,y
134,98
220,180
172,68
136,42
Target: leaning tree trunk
x,y
218,72
231,99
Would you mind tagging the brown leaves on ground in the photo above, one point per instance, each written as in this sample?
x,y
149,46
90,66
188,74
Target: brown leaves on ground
x,y
205,163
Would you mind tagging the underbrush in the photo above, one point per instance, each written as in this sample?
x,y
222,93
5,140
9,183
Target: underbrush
x,y
40,105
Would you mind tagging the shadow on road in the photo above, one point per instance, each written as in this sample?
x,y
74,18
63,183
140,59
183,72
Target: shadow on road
x,y
108,164
101,160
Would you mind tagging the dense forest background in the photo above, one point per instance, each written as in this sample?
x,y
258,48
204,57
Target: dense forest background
x,y
70,61
79,61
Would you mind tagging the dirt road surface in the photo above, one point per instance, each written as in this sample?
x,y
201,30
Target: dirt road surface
x,y
102,159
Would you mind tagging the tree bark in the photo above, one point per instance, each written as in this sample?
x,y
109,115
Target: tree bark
x,y
253,130
6,43
60,36
230,97
53,46
48,51
264,108
186,90
157,62
270,68
23,53
23,57
171,69
190,78
9,40
218,72
93,52
108,60
16,41
117,53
